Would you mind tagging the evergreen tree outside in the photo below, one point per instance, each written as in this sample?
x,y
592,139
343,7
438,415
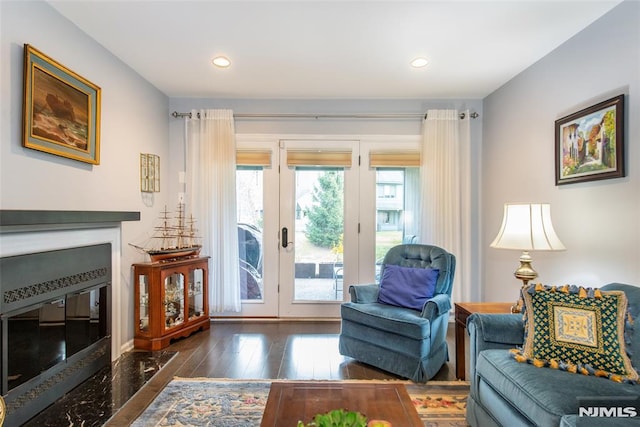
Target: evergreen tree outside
x,y
326,215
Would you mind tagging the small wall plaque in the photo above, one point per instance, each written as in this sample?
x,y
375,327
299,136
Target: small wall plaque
x,y
149,173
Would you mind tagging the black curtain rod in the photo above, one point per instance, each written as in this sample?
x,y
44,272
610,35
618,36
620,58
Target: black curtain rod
x,y
473,115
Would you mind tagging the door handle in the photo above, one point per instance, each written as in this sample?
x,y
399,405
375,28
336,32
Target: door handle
x,y
285,237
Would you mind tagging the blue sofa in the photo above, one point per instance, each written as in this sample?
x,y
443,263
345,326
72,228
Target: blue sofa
x,y
409,343
507,393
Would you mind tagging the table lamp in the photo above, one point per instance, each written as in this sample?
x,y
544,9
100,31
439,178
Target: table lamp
x,y
527,227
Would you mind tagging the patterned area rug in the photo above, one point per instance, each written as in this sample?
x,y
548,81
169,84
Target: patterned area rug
x,y
239,403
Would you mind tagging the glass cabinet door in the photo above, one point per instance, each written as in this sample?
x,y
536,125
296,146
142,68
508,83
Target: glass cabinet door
x,y
196,298
143,283
173,300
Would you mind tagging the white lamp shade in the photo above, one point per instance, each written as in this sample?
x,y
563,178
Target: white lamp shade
x,y
527,227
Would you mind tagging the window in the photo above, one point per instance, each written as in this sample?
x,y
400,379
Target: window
x,y
397,202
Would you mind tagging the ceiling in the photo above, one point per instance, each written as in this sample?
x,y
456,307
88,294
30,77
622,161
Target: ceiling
x,y
332,48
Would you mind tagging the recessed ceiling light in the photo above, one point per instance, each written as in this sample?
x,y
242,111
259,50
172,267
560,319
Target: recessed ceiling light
x,y
221,61
419,62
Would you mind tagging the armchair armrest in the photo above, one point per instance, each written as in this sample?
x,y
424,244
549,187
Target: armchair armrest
x,y
493,331
363,294
438,305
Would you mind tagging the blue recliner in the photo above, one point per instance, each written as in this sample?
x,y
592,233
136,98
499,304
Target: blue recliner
x,y
406,342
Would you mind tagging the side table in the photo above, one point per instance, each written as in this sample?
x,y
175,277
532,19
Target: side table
x,y
464,310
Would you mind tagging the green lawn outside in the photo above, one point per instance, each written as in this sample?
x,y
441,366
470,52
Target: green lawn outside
x,y
385,240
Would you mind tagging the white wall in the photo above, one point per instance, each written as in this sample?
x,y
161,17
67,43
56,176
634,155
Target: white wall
x,y
134,119
598,221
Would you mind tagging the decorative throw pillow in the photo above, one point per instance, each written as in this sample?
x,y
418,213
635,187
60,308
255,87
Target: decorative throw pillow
x,y
407,286
576,329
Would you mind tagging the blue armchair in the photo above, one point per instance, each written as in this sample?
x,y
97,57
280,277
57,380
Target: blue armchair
x,y
406,342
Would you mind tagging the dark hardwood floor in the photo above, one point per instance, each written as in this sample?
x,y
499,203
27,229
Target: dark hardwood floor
x,y
262,350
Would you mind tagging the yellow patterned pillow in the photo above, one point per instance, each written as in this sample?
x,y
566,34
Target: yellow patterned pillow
x,y
580,330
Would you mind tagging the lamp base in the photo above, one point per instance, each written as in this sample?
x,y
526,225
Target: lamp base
x,y
525,273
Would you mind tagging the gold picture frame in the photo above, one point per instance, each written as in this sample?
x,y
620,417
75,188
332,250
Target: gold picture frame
x,y
61,113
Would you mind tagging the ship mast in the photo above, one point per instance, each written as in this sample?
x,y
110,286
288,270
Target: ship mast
x,y
164,230
192,231
180,227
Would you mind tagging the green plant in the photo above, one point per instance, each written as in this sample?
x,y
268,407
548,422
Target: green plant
x,y
326,215
337,418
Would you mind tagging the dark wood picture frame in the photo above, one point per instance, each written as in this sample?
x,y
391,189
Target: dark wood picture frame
x,y
590,143
61,112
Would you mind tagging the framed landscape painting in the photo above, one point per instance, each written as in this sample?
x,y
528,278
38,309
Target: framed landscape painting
x,y
61,109
590,143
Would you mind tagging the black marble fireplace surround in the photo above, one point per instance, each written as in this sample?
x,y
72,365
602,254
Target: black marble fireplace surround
x,y
55,312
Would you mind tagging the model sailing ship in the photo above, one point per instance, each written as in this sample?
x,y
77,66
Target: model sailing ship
x,y
173,238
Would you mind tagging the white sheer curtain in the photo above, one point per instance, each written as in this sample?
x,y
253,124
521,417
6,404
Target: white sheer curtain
x,y
445,191
211,196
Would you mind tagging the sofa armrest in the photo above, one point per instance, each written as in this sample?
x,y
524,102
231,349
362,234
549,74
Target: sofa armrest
x,y
363,294
437,306
493,331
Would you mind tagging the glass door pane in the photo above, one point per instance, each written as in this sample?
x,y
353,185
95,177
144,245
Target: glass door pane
x,y
174,300
250,206
319,231
196,297
143,281
23,347
85,325
397,202
52,333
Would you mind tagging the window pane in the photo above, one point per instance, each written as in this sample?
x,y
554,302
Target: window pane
x,y
397,202
249,193
318,234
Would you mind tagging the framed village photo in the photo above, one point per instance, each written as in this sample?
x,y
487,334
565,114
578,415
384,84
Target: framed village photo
x,y
590,143
61,109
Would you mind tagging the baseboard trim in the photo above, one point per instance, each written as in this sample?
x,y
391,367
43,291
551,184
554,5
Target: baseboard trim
x,y
271,319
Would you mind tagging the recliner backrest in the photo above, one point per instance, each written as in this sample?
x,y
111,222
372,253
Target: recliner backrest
x,y
424,256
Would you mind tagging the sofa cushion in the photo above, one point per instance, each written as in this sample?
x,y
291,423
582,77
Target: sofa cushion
x,y
543,396
577,330
407,286
400,321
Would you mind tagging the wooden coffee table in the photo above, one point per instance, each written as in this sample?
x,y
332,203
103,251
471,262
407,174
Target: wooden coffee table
x,y
290,402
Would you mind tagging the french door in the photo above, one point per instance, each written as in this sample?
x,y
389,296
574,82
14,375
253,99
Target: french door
x,y
314,216
318,225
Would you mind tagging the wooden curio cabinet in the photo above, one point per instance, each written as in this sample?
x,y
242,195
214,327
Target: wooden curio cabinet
x,y
171,301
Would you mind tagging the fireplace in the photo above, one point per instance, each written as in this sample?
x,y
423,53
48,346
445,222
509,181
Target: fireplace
x,y
55,324
57,320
